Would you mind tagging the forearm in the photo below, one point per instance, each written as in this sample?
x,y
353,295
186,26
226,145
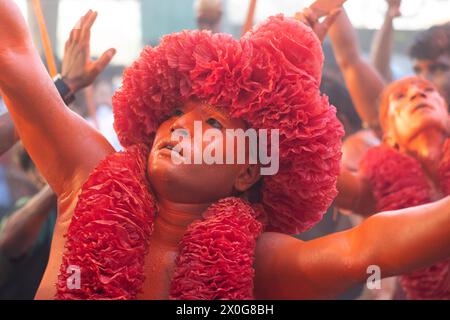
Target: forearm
x,y
382,48
363,82
23,227
397,242
402,241
8,135
344,41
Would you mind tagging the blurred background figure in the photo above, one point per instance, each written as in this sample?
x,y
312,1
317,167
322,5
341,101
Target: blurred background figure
x,y
430,54
26,231
209,14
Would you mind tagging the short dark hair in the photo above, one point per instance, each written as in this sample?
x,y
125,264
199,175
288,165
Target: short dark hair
x,y
431,43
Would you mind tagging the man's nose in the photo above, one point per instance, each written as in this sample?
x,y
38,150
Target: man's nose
x,y
181,126
426,74
416,92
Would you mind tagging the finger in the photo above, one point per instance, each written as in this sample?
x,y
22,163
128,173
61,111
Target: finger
x,y
67,44
322,29
75,33
103,61
86,30
300,17
311,17
330,19
310,14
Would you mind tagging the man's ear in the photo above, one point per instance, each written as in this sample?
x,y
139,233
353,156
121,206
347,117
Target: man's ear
x,y
248,176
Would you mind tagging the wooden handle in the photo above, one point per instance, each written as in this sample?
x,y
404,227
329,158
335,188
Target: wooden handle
x,y
46,43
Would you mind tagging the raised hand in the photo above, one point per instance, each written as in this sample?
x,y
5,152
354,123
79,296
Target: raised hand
x,y
394,8
78,70
323,8
311,18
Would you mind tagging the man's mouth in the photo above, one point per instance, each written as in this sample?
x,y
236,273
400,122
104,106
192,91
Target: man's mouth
x,y
170,145
421,106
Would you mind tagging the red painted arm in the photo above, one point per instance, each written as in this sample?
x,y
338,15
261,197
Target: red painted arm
x,y
397,242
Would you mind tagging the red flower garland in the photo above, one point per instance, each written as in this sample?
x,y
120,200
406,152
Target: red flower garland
x,y
110,230
216,255
399,182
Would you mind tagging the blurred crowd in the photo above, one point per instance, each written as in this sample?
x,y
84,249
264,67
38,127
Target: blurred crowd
x,y
353,84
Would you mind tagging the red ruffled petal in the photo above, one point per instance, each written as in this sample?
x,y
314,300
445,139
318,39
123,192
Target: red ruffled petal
x,y
398,181
109,232
216,254
431,283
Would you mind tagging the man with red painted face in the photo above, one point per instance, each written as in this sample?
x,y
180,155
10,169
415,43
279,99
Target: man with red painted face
x,y
139,226
410,168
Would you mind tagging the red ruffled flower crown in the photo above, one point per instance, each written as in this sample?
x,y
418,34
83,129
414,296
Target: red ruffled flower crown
x,y
270,79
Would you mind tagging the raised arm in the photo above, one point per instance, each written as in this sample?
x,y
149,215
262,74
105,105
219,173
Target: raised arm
x,y
8,135
381,50
397,242
63,146
364,83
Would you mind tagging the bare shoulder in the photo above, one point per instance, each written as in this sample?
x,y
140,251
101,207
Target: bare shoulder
x,y
271,248
270,241
273,263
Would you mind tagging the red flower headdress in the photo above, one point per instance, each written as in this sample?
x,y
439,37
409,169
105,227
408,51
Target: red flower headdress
x,y
270,79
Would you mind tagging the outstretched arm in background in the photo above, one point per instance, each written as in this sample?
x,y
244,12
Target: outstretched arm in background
x,y
382,44
397,242
23,226
63,146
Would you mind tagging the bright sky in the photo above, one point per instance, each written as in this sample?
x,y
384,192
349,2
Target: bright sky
x,y
118,23
418,14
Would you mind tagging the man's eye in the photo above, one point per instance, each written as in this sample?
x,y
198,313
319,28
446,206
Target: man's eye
x,y
214,123
399,96
429,89
442,67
